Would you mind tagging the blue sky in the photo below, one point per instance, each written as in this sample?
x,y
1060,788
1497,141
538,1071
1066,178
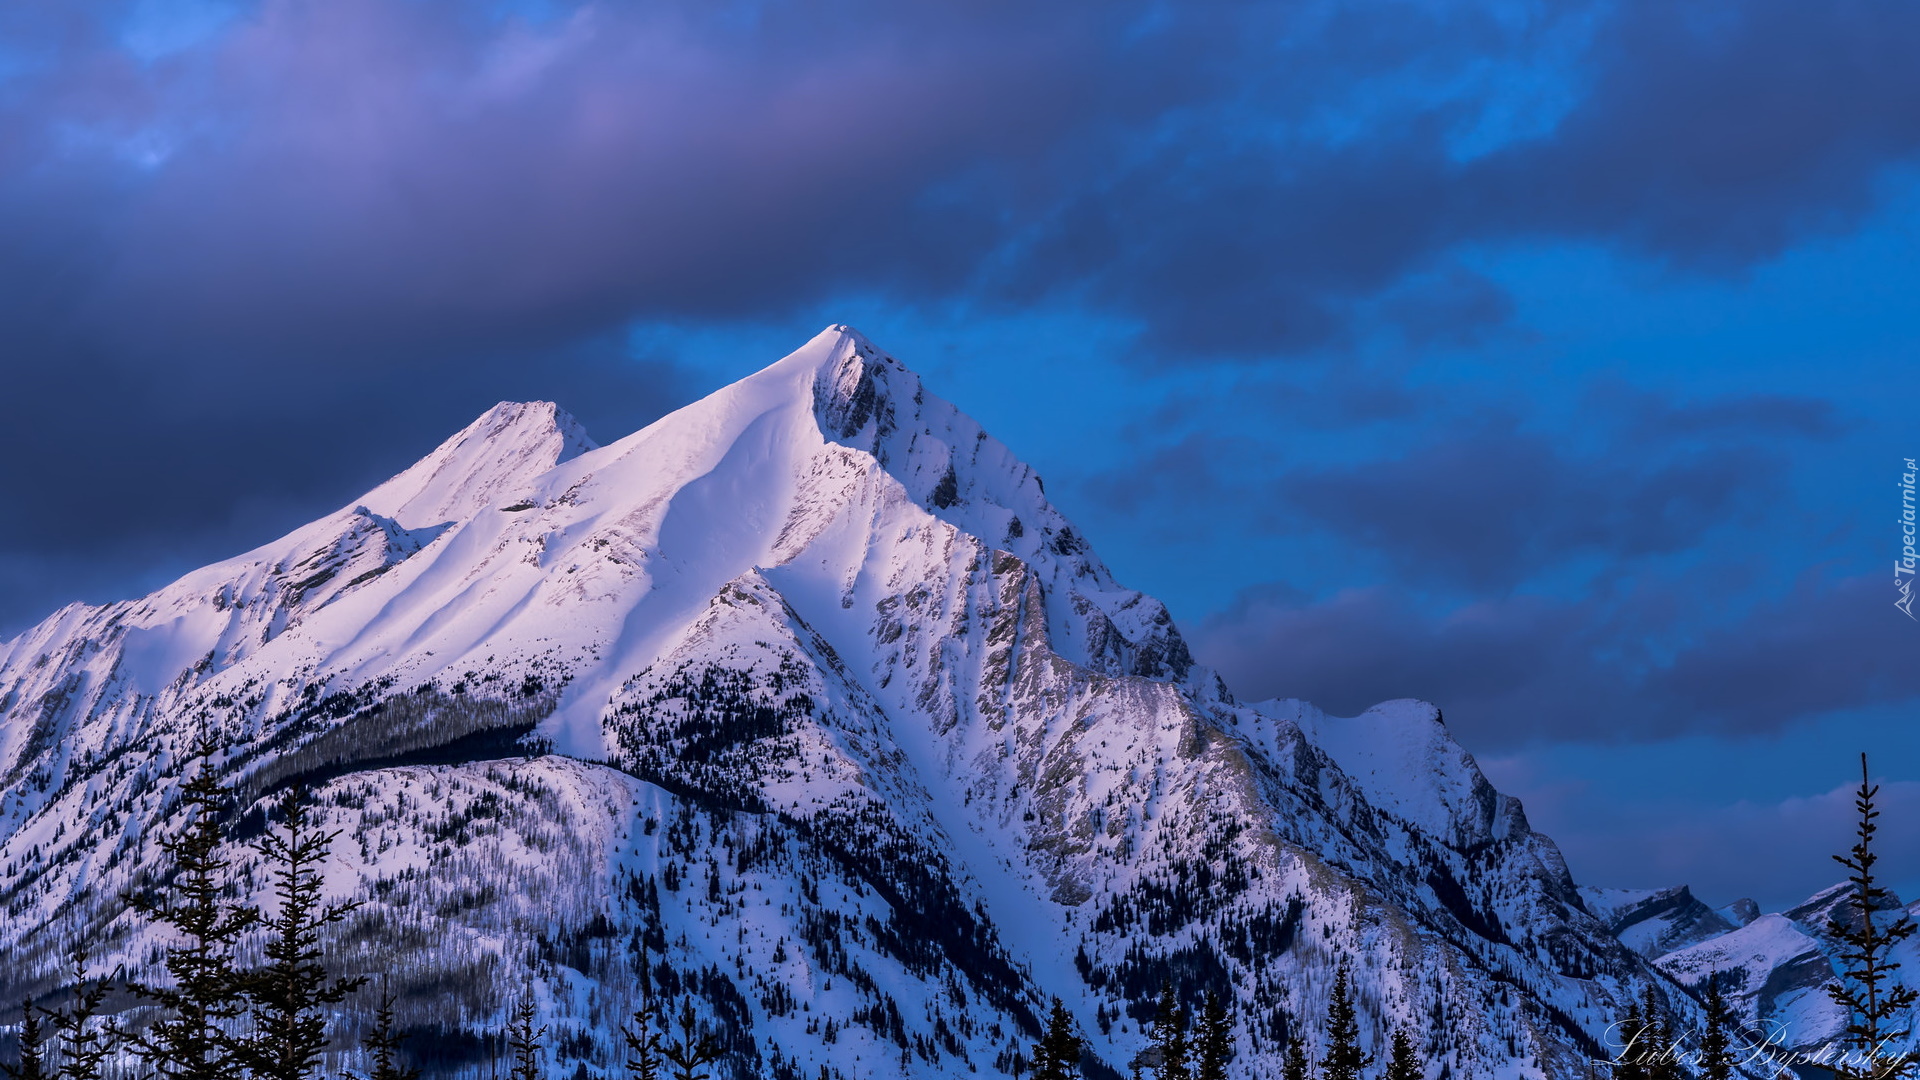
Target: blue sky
x,y
1552,361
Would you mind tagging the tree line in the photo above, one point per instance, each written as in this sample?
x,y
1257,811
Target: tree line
x,y
1185,1047
217,1019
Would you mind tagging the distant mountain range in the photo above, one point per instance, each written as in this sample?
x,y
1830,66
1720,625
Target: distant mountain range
x,y
1774,967
804,703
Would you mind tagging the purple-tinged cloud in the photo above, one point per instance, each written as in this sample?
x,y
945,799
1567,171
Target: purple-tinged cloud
x,y
349,225
357,172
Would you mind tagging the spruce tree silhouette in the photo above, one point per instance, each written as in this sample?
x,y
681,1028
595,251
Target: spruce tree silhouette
x,y
643,1043
1057,1055
1661,1059
1629,1031
87,1041
33,1054
1403,1060
1169,1048
191,1040
692,1050
383,1043
1299,1062
1876,1002
1716,1042
291,995
1344,1058
1213,1045
523,1040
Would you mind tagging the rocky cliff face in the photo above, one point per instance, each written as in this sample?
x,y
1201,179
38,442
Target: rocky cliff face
x,y
805,703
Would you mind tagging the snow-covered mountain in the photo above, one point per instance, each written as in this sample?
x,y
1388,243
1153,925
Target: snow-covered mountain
x,y
803,702
1775,968
1654,922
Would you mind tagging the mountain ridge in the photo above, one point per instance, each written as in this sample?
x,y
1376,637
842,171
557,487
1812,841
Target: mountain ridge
x,y
821,642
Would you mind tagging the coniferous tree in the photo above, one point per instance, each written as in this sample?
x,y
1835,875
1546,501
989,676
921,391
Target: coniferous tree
x,y
1629,1063
291,993
1403,1060
523,1041
1875,1000
1057,1055
1660,1060
1299,1063
33,1053
191,1040
1214,1045
1716,1043
1169,1038
383,1044
1344,1058
692,1050
643,1043
85,1046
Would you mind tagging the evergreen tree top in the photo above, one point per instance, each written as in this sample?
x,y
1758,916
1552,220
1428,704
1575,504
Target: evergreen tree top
x,y
1878,1005
1344,1058
1057,1055
1403,1059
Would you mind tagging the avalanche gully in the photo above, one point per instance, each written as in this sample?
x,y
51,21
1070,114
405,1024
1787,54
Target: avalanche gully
x,y
803,704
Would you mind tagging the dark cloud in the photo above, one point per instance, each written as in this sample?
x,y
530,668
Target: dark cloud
x,y
1609,583
1526,670
1225,250
1495,664
1488,509
247,278
263,264
1711,134
1764,415
1472,501
356,172
118,477
1829,645
1718,132
370,173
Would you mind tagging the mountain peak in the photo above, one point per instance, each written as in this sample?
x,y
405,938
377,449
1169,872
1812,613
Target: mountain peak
x,y
864,398
828,639
509,444
855,385
1818,913
1654,922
